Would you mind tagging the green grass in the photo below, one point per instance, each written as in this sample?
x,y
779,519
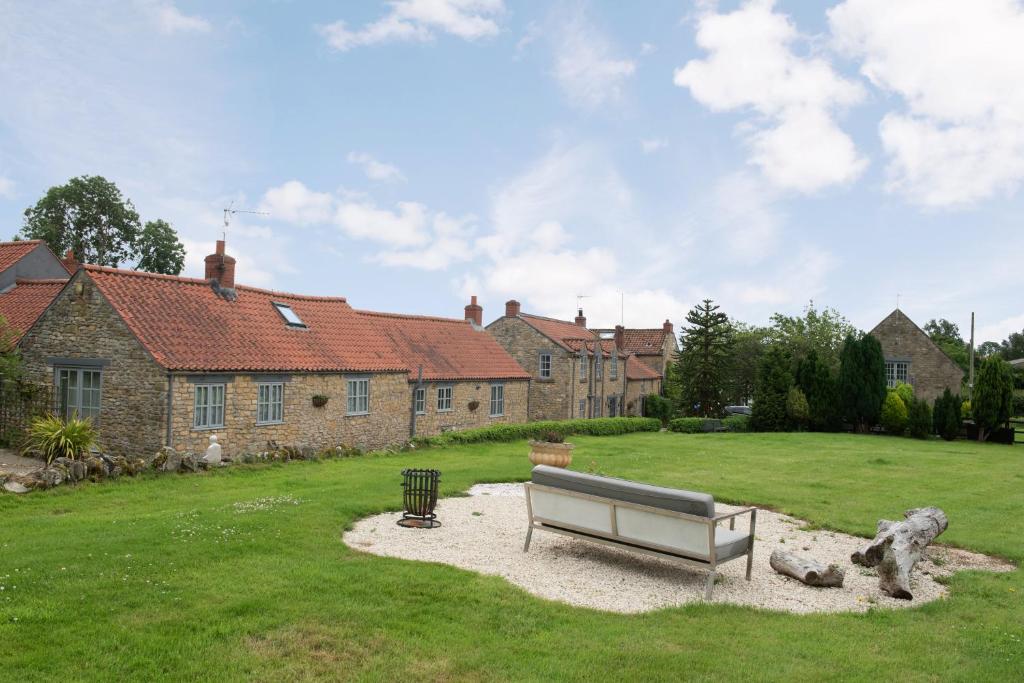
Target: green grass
x,y
161,578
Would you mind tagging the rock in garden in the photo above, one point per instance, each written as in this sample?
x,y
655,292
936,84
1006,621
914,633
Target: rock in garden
x,y
898,546
807,570
188,463
15,486
96,467
172,461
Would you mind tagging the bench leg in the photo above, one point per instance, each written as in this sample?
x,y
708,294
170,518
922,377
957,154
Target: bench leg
x,y
709,585
750,560
529,535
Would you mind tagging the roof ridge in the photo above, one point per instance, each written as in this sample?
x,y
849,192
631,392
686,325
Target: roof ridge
x,y
554,320
9,242
435,318
40,281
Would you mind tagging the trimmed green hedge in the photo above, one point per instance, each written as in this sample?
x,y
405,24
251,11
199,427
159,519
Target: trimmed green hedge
x,y
601,426
737,423
687,425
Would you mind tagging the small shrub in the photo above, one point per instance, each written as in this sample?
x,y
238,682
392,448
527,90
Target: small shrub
x,y
946,416
965,410
552,437
894,414
687,425
601,426
737,423
659,407
797,409
905,392
1018,402
919,419
51,437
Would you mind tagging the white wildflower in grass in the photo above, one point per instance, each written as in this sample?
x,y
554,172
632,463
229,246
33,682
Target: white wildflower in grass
x,y
264,504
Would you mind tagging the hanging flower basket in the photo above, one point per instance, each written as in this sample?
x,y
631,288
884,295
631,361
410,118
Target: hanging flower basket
x,y
473,405
319,401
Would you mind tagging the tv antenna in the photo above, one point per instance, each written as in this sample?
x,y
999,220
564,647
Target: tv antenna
x,y
579,300
231,211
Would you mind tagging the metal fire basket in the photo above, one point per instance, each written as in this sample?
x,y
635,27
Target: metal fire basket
x,y
420,498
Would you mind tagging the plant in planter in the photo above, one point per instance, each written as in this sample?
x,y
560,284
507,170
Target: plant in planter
x,y
552,450
319,400
473,405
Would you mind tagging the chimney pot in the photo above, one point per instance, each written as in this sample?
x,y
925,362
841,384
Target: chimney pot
x,y
221,267
668,326
475,312
69,261
581,320
511,308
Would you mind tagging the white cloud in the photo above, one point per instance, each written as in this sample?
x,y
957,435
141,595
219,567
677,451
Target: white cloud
x,y
170,20
419,20
293,202
6,188
752,65
375,170
653,145
1000,330
586,65
959,68
405,227
450,243
799,279
746,217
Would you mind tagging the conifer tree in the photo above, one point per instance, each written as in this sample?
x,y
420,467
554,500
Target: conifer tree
x,y
704,359
771,392
862,385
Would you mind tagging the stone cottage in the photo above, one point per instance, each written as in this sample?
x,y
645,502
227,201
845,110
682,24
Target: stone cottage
x,y
164,360
654,347
913,358
641,382
574,372
30,277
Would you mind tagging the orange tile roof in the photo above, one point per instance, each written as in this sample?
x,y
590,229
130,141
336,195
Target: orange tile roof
x,y
561,332
637,369
606,346
12,252
446,348
22,305
185,325
643,342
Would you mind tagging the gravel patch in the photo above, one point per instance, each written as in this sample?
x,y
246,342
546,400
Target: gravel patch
x,y
485,532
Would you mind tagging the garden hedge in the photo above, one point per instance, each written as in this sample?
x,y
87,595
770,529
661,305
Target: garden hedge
x,y
601,426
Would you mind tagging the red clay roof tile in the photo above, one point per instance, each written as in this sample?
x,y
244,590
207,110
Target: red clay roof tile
x,y
561,332
637,369
22,305
643,342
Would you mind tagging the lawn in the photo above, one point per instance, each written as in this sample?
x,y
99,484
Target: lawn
x,y
187,577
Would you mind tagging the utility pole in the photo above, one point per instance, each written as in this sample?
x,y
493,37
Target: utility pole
x,y
970,382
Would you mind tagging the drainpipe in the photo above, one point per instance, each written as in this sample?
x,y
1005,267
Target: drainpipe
x,y
415,389
575,401
170,408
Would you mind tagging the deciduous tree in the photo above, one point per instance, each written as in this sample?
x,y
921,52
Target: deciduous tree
x,y
160,250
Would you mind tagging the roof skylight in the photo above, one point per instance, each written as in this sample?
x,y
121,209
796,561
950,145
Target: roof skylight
x,y
290,316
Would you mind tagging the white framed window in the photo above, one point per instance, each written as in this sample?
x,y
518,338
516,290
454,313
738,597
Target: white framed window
x,y
613,371
444,398
545,366
896,372
583,365
270,403
598,363
358,390
208,408
497,400
78,393
420,398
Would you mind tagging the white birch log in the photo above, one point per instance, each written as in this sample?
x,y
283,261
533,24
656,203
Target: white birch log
x,y
898,546
809,571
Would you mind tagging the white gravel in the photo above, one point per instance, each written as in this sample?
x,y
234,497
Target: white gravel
x,y
485,532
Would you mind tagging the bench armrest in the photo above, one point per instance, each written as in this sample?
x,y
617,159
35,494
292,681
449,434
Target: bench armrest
x,y
730,515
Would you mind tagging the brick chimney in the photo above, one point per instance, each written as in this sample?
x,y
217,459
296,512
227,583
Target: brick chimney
x,y
580,319
474,312
668,327
620,337
69,261
511,308
221,267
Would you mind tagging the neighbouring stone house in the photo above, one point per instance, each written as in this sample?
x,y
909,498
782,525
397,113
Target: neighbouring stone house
x,y
163,360
574,372
641,382
30,277
913,358
654,347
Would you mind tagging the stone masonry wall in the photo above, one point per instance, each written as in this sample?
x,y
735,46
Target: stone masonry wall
x,y
931,371
550,399
133,397
635,391
460,416
596,392
304,425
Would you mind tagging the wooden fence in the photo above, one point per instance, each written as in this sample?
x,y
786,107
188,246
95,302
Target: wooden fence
x,y
20,403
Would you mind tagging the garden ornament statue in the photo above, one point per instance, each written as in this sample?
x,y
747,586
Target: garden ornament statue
x,y
212,457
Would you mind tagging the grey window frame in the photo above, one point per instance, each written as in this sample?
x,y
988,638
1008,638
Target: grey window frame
x,y
450,390
583,366
209,405
892,374
269,403
356,380
613,369
501,400
419,397
540,365
70,408
583,407
599,366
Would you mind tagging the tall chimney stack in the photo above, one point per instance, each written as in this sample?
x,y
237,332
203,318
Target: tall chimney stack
x,y
475,313
580,319
511,308
69,261
668,327
620,337
221,267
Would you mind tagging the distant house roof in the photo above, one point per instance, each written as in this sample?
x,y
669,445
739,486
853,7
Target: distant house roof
x,y
562,332
12,252
592,345
896,316
186,325
1017,362
22,305
638,370
641,341
446,348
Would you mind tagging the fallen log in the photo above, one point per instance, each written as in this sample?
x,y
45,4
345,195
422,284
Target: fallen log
x,y
898,546
809,571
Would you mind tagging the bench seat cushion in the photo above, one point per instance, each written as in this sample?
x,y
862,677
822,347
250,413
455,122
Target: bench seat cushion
x,y
677,500
730,544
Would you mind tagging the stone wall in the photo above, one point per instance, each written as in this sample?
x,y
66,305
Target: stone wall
x,y
930,370
387,422
635,391
460,416
596,392
550,399
133,397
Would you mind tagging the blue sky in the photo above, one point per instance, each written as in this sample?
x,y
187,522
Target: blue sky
x,y
415,152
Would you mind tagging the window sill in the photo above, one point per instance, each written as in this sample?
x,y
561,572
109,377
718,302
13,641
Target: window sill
x,y
367,412
446,410
499,415
418,413
270,424
207,429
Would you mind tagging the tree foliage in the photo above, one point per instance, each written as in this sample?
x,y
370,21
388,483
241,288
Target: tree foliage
x,y
993,395
946,336
894,414
919,419
818,383
797,409
160,250
820,330
748,346
704,358
771,392
862,384
946,415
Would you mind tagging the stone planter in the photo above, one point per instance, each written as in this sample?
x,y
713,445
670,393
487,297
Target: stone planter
x,y
553,454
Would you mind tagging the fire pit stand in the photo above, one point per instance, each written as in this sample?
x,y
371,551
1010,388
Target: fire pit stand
x,y
420,498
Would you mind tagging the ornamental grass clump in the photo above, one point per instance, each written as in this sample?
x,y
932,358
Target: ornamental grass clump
x,y
51,437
